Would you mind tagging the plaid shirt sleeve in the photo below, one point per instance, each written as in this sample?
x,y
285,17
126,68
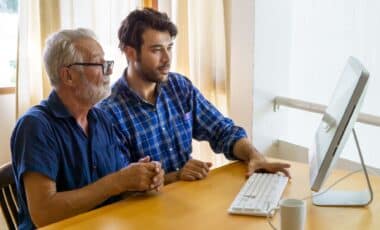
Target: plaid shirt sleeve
x,y
210,125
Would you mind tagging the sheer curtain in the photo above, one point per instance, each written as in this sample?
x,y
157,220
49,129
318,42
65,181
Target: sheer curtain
x,y
37,18
200,54
104,18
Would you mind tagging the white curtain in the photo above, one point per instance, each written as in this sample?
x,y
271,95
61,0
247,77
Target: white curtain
x,y
200,54
104,18
29,71
39,18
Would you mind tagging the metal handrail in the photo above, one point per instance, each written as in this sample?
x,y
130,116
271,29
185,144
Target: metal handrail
x,y
318,108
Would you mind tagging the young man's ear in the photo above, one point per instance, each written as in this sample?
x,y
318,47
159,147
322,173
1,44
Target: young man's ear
x,y
130,53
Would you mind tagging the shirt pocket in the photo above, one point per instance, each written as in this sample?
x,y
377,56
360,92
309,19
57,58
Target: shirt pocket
x,y
183,129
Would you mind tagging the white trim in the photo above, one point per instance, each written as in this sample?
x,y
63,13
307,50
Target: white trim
x,y
318,108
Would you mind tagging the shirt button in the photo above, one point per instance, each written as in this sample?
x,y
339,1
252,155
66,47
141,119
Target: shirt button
x,y
163,128
170,149
176,169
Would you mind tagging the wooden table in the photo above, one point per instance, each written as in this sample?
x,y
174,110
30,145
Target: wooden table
x,y
203,205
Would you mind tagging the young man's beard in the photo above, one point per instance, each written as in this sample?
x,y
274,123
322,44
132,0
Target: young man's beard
x,y
150,75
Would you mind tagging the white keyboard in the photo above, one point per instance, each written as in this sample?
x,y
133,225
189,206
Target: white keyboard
x,y
260,193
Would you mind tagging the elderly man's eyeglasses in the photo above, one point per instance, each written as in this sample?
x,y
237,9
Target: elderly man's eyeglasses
x,y
107,66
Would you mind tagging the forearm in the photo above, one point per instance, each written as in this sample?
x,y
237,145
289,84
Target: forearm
x,y
61,205
245,151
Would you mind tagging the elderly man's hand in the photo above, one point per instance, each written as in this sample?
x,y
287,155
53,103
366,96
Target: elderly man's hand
x,y
194,170
141,176
158,180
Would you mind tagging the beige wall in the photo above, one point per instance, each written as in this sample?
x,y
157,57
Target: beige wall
x,y
7,121
271,70
240,40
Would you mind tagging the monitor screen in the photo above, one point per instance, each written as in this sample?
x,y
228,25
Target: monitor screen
x,y
337,121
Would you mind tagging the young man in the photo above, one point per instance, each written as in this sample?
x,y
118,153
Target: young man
x,y
65,153
159,112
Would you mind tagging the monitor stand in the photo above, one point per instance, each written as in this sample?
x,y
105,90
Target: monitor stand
x,y
346,198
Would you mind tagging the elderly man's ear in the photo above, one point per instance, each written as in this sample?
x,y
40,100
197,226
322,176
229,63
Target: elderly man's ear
x,y
65,76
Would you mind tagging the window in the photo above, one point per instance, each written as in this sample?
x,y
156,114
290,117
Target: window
x,y
8,46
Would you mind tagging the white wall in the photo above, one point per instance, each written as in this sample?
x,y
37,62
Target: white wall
x,y
241,28
7,121
259,66
325,34
271,70
301,47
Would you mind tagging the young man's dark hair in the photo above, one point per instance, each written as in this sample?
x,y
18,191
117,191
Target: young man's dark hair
x,y
132,27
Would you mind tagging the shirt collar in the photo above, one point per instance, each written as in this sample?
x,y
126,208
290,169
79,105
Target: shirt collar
x,y
124,87
130,94
56,106
59,110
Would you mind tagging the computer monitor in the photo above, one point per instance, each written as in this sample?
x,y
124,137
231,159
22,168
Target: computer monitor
x,y
332,134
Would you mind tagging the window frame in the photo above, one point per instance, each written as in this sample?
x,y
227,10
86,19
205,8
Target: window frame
x,y
7,90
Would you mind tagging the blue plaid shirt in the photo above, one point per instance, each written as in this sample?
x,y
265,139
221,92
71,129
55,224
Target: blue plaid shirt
x,y
164,131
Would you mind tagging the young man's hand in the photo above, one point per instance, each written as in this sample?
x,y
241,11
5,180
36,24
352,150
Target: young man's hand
x,y
255,165
194,170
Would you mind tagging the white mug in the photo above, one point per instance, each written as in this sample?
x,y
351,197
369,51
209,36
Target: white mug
x,y
292,214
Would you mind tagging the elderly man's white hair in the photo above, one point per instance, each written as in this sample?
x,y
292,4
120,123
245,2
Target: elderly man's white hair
x,y
60,51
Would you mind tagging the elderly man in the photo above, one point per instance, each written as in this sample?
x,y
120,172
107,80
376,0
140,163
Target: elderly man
x,y
159,112
66,155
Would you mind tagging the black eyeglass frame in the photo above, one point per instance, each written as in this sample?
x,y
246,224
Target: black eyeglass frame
x,y
107,66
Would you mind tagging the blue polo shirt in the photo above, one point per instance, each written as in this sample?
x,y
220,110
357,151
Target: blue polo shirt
x,y
48,140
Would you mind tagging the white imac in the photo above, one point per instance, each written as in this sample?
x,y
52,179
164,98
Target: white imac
x,y
332,134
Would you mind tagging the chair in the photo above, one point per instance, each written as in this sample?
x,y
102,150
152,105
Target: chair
x,y
8,196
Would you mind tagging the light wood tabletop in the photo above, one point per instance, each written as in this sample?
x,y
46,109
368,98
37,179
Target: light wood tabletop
x,y
203,204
